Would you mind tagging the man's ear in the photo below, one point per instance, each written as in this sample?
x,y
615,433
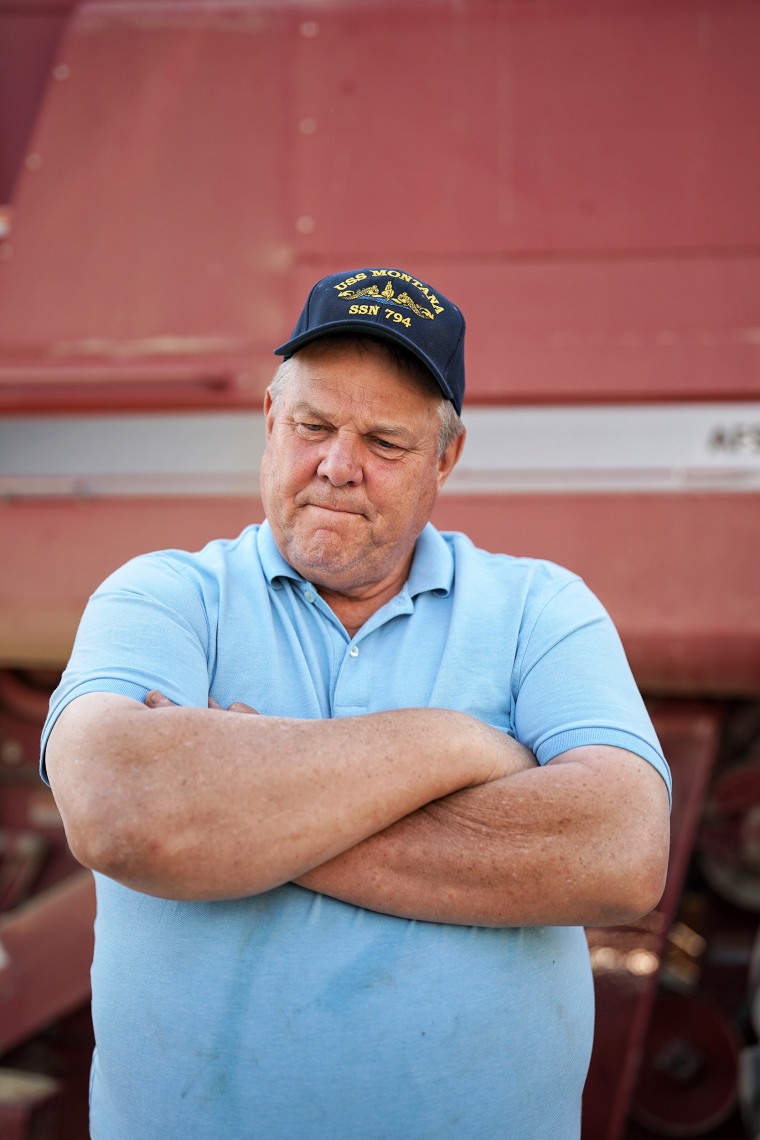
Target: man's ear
x,y
449,459
268,412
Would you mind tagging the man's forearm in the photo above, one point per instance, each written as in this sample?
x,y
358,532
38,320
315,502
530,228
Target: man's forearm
x,y
579,842
191,803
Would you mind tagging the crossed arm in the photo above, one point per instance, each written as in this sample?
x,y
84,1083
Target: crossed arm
x,y
422,813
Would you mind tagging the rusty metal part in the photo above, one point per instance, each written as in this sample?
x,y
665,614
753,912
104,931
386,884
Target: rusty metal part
x,y
24,1097
688,1080
45,956
22,854
627,960
21,696
729,839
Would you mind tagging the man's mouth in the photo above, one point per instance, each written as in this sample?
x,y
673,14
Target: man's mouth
x,y
335,508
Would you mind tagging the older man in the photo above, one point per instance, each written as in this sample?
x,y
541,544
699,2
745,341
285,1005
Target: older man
x,y
358,913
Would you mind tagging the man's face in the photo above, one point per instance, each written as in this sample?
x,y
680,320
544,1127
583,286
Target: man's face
x,y
351,469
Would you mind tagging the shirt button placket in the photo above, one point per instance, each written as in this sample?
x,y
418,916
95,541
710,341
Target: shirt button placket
x,y
351,695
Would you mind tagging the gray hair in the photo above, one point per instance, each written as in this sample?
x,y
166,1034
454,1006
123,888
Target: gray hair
x,y
450,423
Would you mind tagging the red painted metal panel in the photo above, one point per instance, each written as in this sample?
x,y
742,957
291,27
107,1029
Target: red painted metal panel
x,y
28,41
150,216
580,176
523,127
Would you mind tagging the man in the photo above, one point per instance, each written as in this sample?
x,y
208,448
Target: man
x,y
358,913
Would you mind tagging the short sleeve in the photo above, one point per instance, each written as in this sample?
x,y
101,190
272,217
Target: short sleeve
x,y
145,628
574,686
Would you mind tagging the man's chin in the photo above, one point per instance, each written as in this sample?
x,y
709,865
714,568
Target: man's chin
x,y
326,552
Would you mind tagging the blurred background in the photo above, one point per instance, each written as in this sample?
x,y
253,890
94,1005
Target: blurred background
x,y
583,178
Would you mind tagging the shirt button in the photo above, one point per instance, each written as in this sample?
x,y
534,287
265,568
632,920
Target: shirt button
x,y
353,651
309,596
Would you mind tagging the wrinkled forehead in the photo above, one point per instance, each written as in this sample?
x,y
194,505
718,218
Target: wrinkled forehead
x,y
390,358
362,390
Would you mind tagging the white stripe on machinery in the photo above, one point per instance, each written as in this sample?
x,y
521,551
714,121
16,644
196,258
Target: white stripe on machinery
x,y
510,450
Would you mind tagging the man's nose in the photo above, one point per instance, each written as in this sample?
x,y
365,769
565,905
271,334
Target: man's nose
x,y
341,460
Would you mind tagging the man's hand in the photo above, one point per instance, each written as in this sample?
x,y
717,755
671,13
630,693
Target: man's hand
x,y
157,700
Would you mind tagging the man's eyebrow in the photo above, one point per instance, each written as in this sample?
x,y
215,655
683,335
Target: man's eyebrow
x,y
304,408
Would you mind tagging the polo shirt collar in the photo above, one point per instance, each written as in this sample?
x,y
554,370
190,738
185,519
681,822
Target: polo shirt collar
x,y
432,566
272,563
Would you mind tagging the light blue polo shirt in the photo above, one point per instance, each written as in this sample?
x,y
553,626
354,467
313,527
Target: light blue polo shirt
x,y
290,1014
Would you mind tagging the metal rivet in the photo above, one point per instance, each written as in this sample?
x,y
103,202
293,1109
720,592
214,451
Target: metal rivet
x,y
11,753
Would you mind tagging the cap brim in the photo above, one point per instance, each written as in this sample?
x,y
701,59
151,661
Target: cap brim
x,y
368,328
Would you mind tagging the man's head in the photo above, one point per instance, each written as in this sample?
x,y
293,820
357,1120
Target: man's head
x,y
363,428
359,441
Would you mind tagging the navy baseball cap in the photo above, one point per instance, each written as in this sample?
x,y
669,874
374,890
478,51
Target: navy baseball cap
x,y
392,305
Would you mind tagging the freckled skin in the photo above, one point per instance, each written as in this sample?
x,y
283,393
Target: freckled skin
x,y
350,474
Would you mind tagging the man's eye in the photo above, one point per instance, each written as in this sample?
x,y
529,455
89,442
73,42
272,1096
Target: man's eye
x,y
386,445
311,429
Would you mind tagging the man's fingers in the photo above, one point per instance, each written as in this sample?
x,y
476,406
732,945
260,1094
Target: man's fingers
x,y
240,707
157,700
236,707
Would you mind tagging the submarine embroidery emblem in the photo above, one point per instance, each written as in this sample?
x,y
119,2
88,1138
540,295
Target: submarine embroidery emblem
x,y
388,296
